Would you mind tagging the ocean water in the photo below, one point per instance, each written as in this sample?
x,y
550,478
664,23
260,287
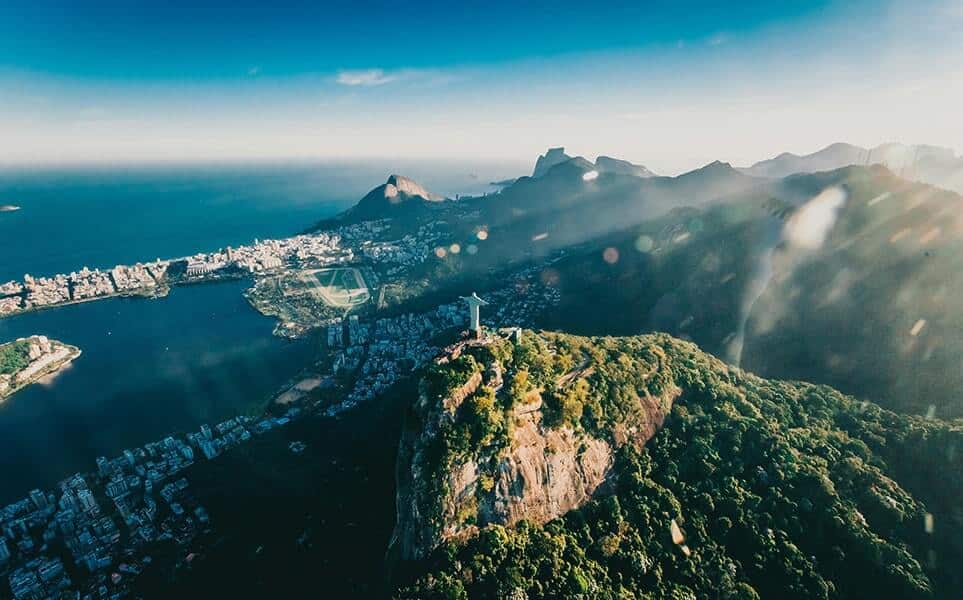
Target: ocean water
x,y
152,367
99,217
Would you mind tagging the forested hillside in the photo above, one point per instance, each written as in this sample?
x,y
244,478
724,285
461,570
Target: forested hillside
x,y
752,488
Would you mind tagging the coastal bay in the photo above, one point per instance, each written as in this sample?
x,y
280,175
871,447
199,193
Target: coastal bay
x,y
149,368
153,367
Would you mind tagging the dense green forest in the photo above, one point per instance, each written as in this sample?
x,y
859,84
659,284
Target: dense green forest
x,y
14,357
753,488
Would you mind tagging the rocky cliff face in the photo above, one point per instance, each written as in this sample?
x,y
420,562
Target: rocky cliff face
x,y
539,470
399,195
400,184
552,157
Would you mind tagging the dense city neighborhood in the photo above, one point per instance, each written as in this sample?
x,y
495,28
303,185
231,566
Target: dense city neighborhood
x,y
95,533
346,244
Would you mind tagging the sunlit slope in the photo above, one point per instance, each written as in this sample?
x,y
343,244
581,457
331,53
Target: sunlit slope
x,y
878,308
861,289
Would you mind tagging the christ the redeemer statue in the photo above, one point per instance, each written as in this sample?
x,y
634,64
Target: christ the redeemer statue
x,y
474,302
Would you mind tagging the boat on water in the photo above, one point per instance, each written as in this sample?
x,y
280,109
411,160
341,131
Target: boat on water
x,y
8,208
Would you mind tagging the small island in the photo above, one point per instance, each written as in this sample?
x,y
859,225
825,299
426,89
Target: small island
x,y
27,360
8,207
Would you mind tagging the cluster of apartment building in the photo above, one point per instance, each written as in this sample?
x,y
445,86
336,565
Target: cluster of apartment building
x,y
86,284
93,535
410,250
339,246
380,352
43,355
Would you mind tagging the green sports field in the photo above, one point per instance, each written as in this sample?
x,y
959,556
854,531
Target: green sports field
x,y
339,288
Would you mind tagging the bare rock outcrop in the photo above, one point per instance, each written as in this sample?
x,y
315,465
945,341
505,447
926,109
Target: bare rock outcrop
x,y
554,156
543,471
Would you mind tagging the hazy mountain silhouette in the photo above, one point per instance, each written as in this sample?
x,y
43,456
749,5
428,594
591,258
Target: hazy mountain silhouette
x,y
930,164
848,277
548,160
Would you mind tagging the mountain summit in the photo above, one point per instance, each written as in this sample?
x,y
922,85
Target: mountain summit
x,y
603,164
928,164
552,157
387,200
399,186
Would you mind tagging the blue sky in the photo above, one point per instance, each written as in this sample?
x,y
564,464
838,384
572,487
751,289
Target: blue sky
x,y
668,84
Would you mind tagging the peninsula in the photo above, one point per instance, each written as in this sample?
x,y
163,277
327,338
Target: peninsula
x,y
27,360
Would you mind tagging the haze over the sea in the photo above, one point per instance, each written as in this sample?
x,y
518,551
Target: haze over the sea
x,y
668,85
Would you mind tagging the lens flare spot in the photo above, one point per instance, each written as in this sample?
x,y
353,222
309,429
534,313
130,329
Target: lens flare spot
x,y
899,235
482,234
440,252
454,248
644,243
930,236
471,249
549,277
809,227
878,199
610,255
918,327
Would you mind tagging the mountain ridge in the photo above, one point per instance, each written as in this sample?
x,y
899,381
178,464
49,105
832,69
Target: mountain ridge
x,y
930,164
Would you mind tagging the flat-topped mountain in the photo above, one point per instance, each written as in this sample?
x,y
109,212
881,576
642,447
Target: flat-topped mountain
x,y
552,157
603,164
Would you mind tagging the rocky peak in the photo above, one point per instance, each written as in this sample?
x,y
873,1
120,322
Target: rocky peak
x,y
488,441
552,157
400,184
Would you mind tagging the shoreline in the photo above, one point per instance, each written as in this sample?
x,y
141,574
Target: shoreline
x,y
49,370
161,291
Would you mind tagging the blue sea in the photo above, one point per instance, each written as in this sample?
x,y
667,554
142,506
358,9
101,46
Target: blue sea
x,y
153,367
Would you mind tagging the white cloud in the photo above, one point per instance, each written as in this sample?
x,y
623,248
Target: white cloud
x,y
366,77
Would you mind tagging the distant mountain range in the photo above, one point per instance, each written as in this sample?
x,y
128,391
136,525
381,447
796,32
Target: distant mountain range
x,y
929,164
849,276
614,465
603,164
